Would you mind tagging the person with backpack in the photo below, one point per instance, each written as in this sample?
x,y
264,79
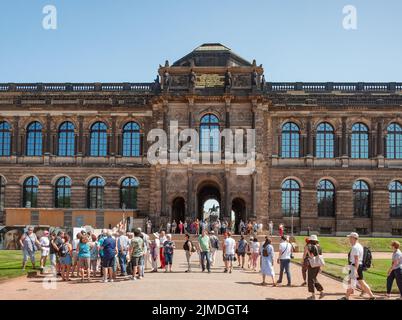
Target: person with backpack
x,y
137,254
267,261
189,249
314,264
66,257
359,260
395,271
214,247
241,251
84,256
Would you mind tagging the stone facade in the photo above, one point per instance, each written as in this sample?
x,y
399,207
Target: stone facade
x,y
234,90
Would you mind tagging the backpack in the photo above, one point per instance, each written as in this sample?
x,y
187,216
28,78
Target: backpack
x,y
215,243
63,251
185,246
367,258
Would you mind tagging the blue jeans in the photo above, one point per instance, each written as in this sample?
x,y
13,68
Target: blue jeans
x,y
284,265
123,262
205,255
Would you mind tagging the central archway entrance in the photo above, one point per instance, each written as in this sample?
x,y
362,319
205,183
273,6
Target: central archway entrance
x,y
178,210
209,202
238,213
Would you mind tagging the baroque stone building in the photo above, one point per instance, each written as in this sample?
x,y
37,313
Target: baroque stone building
x,y
328,155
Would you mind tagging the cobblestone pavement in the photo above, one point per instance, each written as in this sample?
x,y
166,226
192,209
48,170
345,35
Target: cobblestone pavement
x,y
178,285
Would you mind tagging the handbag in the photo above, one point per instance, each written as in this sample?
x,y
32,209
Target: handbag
x,y
316,261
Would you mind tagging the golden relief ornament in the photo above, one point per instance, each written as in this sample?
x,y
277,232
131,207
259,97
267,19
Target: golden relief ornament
x,y
210,80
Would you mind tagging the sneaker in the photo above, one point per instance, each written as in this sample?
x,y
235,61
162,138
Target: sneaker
x,y
225,271
303,284
311,298
104,280
111,280
322,294
133,278
343,298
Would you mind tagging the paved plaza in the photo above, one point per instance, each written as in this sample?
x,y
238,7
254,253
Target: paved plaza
x,y
178,285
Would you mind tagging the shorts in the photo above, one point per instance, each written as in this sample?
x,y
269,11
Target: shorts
x,y
84,263
44,252
359,273
241,254
136,261
168,259
229,257
66,261
107,262
30,254
75,257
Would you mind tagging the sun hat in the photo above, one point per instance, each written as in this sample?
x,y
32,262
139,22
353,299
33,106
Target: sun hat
x,y
313,237
353,235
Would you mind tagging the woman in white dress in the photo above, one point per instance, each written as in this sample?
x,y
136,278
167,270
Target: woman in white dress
x,y
267,261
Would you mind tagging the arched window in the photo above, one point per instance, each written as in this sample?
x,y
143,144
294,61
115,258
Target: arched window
x,y
2,194
63,193
290,140
395,199
326,199
360,141
209,133
30,192
290,198
95,193
394,141
128,193
131,140
66,139
324,141
98,140
361,199
34,139
5,139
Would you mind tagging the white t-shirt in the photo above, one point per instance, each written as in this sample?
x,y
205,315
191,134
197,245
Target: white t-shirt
x,y
230,245
357,250
255,247
285,250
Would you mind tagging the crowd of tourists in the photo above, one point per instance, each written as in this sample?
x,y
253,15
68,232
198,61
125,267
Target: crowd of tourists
x,y
196,226
127,255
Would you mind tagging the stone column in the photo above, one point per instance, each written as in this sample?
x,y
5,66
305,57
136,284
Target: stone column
x,y
163,192
80,147
190,202
48,141
380,139
228,206
309,143
113,146
16,151
254,195
344,149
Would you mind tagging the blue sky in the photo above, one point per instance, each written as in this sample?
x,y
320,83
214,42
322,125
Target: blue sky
x,y
125,40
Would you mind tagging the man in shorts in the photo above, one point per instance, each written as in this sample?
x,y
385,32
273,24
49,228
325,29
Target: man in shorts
x,y
229,245
136,254
356,267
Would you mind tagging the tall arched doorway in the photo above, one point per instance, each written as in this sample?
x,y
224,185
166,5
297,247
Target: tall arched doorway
x,y
209,201
238,212
178,209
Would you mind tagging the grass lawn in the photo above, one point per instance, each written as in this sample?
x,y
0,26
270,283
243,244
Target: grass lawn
x,y
341,244
11,261
376,276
